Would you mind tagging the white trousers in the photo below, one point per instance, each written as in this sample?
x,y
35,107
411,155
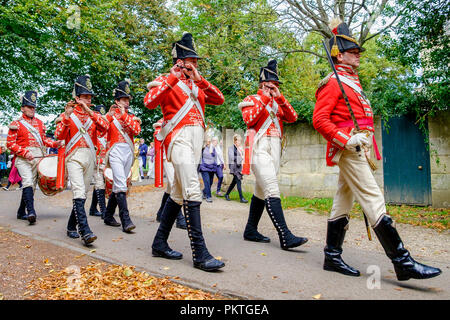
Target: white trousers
x,y
99,178
356,182
120,160
170,173
185,154
28,169
80,168
265,165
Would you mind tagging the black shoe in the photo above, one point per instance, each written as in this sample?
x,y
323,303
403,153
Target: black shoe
x,y
72,234
95,214
209,200
251,229
336,230
83,227
243,200
256,237
168,254
404,265
124,215
111,221
211,264
287,239
227,197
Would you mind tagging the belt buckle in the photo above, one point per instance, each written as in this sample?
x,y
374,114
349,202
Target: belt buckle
x,y
83,130
272,114
193,97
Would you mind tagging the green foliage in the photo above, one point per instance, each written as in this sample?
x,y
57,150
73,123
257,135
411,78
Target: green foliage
x,y
44,46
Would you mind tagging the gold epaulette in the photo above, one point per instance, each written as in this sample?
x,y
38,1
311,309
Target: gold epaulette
x,y
325,80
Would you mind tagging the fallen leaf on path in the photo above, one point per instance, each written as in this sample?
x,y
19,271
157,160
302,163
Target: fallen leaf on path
x,y
398,289
214,285
219,258
93,250
274,277
263,254
284,291
317,296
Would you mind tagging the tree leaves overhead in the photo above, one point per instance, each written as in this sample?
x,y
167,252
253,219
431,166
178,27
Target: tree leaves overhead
x,y
44,46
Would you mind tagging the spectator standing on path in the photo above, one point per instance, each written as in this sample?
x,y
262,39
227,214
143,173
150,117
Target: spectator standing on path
x,y
14,176
207,168
3,161
143,148
235,156
219,165
151,161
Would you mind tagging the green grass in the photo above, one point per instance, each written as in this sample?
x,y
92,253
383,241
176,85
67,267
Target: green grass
x,y
435,218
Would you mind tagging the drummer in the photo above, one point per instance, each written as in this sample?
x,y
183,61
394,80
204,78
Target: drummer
x,y
80,126
28,142
123,126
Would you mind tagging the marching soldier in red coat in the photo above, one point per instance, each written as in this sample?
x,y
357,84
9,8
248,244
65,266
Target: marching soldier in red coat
x,y
98,195
80,126
123,127
333,120
182,95
264,113
27,141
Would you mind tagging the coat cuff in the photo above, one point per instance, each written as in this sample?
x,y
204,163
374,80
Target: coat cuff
x,y
172,80
265,99
280,100
340,139
202,84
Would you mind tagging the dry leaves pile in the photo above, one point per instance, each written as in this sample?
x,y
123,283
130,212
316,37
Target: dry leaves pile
x,y
102,281
143,188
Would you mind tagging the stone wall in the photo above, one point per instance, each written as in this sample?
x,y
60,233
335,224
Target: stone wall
x,y
439,133
303,169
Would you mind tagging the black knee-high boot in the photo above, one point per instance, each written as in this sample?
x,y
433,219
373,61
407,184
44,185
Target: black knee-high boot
x,y
200,254
83,227
72,225
124,215
21,214
28,197
101,202
287,239
110,209
93,209
251,229
336,230
404,265
160,247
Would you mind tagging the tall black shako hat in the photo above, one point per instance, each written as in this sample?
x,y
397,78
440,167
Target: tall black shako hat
x,y
122,90
342,39
270,72
29,99
184,48
100,109
83,85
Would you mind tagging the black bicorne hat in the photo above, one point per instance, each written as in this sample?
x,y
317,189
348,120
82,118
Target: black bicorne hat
x,y
100,109
184,48
270,72
29,99
83,85
122,90
342,39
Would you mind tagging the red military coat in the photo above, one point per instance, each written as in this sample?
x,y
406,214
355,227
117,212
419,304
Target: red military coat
x,y
131,126
331,117
165,92
19,137
66,128
255,114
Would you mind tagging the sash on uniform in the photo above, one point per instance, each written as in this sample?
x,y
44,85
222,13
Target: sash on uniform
x,y
176,119
124,135
83,130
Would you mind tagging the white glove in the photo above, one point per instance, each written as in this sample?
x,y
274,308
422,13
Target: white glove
x,y
358,139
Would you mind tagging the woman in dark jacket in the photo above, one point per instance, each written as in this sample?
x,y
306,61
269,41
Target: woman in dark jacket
x,y
235,156
208,168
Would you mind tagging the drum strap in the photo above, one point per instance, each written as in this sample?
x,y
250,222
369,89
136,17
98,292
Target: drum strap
x,y
124,135
176,119
83,130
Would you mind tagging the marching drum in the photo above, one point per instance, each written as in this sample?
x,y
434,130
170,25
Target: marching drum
x,y
47,169
108,174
